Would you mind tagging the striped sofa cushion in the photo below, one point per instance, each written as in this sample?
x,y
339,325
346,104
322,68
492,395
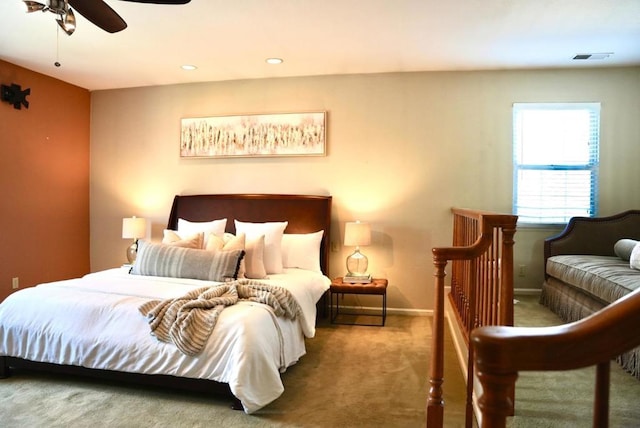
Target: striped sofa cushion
x,y
605,278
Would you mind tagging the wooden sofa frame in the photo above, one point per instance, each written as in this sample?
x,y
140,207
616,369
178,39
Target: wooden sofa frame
x,y
593,235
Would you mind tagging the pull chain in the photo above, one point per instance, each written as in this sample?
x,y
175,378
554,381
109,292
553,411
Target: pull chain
x,y
57,63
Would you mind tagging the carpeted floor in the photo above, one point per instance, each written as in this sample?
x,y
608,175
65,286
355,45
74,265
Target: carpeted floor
x,y
565,399
352,376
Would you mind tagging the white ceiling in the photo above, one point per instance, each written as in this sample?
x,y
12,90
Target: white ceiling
x,y
230,39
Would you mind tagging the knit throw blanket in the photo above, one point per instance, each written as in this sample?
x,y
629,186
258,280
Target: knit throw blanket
x,y
188,321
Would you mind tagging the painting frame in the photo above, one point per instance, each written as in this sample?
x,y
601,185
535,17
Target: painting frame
x,y
254,135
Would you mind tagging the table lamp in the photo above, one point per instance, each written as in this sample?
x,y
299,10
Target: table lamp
x,y
357,234
133,228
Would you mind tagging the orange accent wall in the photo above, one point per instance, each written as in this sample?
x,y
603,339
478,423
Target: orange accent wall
x,y
44,181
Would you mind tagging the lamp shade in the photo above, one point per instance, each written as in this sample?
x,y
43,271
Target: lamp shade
x,y
356,234
134,227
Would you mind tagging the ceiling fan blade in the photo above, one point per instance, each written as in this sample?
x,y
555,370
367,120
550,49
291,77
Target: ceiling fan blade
x,y
99,13
160,1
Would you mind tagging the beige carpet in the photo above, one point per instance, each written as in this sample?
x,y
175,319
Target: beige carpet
x,y
352,376
565,399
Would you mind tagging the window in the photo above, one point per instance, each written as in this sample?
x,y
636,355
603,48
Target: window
x,y
555,161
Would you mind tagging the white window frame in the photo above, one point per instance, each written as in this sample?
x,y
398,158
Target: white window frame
x,y
548,193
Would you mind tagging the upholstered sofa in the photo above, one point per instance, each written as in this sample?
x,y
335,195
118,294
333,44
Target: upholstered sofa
x,y
589,265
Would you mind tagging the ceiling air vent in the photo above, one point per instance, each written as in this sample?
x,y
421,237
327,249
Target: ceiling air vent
x,y
590,56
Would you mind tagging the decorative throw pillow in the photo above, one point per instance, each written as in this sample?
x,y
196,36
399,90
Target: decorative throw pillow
x,y
178,262
228,242
171,237
254,258
217,227
252,264
272,232
634,259
624,247
302,250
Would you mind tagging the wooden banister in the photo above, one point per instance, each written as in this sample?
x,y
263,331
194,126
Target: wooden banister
x,y
502,352
481,290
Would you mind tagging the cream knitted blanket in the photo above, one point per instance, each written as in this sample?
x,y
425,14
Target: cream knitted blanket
x,y
188,321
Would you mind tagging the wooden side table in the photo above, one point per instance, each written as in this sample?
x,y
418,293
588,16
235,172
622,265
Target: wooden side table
x,y
377,286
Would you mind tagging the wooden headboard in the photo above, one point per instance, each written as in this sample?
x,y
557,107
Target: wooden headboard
x,y
305,213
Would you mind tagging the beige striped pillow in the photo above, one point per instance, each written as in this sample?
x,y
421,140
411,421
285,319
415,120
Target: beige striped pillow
x,y
177,262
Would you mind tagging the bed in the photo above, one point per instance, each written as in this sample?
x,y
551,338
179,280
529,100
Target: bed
x,y
247,346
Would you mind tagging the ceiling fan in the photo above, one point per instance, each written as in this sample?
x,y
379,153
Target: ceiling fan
x,y
96,11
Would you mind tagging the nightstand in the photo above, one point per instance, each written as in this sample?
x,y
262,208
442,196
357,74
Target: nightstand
x,y
377,286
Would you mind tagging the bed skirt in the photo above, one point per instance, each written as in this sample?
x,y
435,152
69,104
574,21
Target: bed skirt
x,y
571,305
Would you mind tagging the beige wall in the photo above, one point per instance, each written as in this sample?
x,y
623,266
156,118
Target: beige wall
x,y
402,150
44,181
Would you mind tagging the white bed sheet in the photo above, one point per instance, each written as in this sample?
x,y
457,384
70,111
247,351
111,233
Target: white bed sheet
x,y
94,322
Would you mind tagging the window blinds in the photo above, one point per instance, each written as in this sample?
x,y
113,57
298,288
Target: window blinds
x,y
555,158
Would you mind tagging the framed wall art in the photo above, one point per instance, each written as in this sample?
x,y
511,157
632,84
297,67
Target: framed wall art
x,y
254,135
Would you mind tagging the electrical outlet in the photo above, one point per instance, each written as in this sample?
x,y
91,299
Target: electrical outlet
x,y
522,270
15,283
334,247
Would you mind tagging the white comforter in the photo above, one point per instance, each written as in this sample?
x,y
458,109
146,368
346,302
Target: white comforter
x,y
94,322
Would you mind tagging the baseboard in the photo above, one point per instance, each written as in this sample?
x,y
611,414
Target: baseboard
x,y
373,310
527,291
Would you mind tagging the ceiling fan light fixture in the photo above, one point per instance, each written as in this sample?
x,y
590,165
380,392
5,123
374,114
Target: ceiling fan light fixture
x,y
34,6
67,22
96,11
59,7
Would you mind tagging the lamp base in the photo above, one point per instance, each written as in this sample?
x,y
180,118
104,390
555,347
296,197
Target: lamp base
x,y
357,264
132,252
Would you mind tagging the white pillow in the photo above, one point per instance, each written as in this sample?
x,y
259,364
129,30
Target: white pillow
x,y
302,251
217,227
634,260
272,232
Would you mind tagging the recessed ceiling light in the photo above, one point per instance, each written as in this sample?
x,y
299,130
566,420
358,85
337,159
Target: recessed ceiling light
x,y
274,60
189,67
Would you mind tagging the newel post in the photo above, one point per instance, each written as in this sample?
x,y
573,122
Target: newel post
x,y
435,402
496,402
